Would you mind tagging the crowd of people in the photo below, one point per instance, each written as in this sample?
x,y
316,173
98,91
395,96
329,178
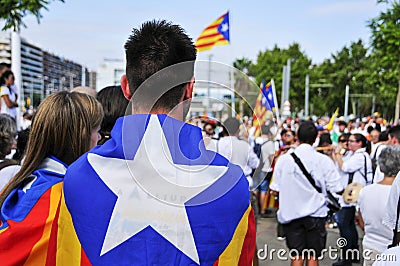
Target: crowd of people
x,y
89,178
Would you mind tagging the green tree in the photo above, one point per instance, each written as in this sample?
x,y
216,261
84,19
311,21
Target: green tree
x,y
269,66
386,53
13,11
349,66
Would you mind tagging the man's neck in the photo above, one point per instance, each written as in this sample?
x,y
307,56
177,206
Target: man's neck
x,y
174,114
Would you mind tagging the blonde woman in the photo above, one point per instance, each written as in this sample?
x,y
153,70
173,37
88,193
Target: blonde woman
x,y
66,126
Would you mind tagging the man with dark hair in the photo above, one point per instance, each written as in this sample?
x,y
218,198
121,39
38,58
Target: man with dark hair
x,y
302,209
157,196
394,135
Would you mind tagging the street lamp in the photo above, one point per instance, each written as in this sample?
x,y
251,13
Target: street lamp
x,y
308,85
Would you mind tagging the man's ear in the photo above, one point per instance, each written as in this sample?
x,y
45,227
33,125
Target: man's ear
x,y
188,93
125,87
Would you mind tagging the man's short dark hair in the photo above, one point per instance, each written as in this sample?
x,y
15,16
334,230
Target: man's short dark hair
x,y
155,46
231,125
394,132
307,132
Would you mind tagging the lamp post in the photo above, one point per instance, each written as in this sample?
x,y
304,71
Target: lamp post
x,y
307,88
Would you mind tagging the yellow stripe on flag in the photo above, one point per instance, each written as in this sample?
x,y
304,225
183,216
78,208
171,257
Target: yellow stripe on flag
x,y
68,246
231,254
38,254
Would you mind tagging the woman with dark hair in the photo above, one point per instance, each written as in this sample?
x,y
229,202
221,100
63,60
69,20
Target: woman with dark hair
x,y
65,126
114,105
357,168
9,96
372,200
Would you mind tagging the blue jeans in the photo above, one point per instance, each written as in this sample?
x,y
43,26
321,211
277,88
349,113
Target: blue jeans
x,y
347,227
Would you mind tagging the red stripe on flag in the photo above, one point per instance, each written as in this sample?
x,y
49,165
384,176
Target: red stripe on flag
x,y
216,262
246,256
212,27
17,241
205,44
84,259
208,36
52,250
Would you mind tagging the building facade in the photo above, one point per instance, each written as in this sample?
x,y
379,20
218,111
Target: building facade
x,y
43,72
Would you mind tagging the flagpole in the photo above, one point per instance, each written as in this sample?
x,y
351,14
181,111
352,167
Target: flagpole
x,y
232,77
209,85
232,93
276,102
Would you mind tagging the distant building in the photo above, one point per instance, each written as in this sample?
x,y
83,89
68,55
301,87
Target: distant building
x,y
43,72
109,73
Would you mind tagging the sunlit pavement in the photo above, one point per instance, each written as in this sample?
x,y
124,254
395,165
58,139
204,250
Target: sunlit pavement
x,y
277,252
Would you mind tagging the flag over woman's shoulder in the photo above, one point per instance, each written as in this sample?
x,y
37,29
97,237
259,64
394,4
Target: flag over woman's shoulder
x,y
29,218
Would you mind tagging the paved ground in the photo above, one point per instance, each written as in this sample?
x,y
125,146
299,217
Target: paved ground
x,y
266,240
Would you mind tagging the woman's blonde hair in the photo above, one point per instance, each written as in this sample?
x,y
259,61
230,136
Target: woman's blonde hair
x,y
62,127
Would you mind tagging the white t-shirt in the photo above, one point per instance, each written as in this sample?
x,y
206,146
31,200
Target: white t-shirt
x,y
7,173
297,197
12,95
389,217
372,201
237,152
391,257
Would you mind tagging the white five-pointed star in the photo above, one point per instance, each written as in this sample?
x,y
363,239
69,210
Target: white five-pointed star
x,y
142,186
224,27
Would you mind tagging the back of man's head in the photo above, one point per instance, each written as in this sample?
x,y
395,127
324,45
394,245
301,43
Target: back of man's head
x,y
155,46
307,132
231,125
265,130
394,133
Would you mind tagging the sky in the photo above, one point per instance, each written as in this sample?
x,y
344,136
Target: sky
x,y
88,31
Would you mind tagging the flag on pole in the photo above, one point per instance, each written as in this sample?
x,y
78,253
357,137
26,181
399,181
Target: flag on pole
x,y
264,103
217,33
268,99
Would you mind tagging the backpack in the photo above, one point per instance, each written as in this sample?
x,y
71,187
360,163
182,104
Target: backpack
x,y
257,148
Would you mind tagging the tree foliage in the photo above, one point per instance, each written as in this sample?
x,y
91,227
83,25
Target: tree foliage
x,y
386,53
13,11
269,66
373,70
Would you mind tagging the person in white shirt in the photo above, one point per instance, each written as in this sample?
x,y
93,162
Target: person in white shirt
x,y
302,209
356,169
8,95
394,139
237,151
372,201
267,147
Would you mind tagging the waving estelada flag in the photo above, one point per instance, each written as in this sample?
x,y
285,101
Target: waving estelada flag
x,y
154,195
264,103
217,33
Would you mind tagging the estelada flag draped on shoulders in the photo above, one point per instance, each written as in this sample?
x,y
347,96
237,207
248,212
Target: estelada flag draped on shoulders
x,y
29,218
153,195
217,33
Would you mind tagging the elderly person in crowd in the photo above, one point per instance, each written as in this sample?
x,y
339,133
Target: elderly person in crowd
x,y
372,200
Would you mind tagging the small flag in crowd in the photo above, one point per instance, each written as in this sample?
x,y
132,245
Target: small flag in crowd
x,y
264,103
268,99
217,33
